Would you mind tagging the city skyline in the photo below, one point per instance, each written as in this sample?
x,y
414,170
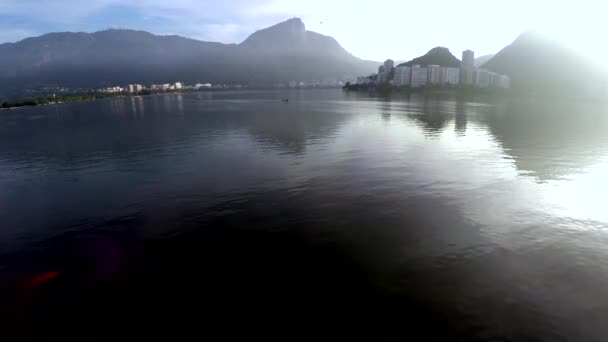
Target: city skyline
x,y
364,30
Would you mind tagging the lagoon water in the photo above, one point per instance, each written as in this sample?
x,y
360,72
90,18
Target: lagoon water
x,y
342,216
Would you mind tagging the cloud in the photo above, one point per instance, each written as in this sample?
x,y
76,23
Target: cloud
x,y
226,21
399,29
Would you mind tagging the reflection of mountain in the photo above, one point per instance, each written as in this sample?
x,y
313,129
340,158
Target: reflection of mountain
x,y
551,140
81,132
289,129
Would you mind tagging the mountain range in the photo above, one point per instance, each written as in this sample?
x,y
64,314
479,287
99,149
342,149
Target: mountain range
x,y
281,53
278,54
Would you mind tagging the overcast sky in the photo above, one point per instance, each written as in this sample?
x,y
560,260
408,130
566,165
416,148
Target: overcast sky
x,y
398,29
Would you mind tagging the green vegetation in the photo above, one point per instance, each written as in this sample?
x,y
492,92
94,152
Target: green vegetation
x,y
40,101
436,56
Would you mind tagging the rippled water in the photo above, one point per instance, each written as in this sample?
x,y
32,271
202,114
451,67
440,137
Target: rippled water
x,y
336,215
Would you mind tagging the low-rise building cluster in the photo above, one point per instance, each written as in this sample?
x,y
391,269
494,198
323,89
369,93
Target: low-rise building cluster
x,y
417,76
157,88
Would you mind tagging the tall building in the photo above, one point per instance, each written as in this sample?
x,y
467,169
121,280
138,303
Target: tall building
x,y
403,75
419,76
434,74
467,68
381,74
389,64
468,59
384,71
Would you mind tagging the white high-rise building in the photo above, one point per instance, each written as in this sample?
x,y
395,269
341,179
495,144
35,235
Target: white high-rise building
x,y
467,68
419,76
451,76
505,82
482,78
384,70
495,80
434,74
403,75
468,59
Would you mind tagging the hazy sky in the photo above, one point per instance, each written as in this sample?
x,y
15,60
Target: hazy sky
x,y
398,29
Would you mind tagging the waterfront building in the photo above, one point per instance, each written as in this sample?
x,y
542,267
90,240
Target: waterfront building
x,y
468,59
389,64
482,78
419,76
467,68
434,74
403,75
450,76
505,82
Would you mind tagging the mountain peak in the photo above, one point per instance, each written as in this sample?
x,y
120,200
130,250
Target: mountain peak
x,y
436,56
285,33
293,24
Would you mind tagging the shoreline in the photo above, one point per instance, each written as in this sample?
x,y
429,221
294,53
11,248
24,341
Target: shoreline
x,y
33,102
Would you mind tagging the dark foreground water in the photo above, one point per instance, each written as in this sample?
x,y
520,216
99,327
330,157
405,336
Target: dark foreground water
x,y
234,216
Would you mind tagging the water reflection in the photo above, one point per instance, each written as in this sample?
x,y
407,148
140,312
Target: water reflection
x,y
553,139
455,206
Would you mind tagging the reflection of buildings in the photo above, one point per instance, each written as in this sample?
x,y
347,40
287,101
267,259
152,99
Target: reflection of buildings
x,y
460,119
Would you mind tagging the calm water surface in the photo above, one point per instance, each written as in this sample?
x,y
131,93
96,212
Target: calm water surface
x,y
334,216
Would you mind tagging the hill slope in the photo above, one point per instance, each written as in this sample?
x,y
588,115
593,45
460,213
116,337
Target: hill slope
x,y
479,61
284,52
436,56
539,64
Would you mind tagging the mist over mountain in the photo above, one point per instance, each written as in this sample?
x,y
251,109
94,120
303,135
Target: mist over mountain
x,y
436,56
540,64
479,61
281,53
